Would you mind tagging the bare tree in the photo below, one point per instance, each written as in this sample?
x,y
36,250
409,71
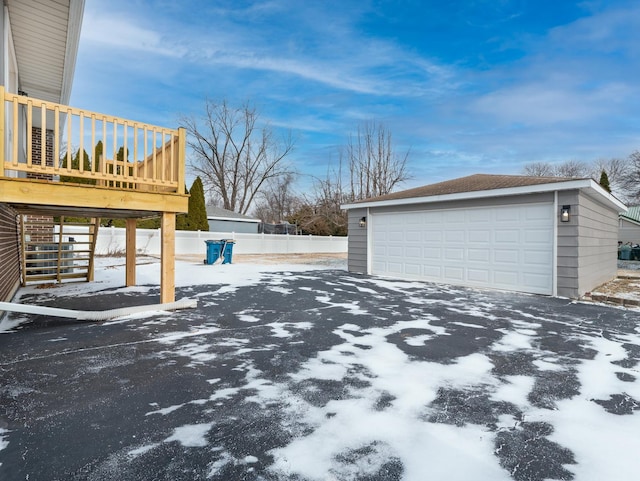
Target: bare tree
x,y
569,168
375,167
572,168
616,170
538,169
278,200
233,155
631,179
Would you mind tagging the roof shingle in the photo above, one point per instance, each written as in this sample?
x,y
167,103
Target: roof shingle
x,y
471,183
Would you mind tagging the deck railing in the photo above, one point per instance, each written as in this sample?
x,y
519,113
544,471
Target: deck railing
x,y
65,144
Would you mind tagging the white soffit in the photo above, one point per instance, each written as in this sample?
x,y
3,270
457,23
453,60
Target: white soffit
x,y
46,35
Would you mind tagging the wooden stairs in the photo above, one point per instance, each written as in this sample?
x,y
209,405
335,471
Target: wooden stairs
x,y
56,249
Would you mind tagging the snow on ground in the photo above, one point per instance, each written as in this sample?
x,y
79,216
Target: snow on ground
x,y
299,372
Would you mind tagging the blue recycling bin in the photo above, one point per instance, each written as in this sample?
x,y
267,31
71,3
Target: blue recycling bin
x,y
217,249
625,252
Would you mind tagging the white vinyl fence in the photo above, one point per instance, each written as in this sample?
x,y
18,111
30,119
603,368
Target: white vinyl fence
x,y
111,240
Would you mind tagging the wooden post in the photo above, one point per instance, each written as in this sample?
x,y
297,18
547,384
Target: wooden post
x,y
182,142
168,258
131,252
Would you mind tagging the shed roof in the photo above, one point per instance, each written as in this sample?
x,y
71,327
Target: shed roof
x,y
632,214
218,213
487,185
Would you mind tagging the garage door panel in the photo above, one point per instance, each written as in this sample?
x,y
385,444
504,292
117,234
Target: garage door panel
x,y
394,267
538,236
414,270
432,235
454,254
456,217
480,236
432,272
507,247
506,256
454,235
537,258
478,275
481,255
453,274
432,253
413,236
507,236
505,278
507,215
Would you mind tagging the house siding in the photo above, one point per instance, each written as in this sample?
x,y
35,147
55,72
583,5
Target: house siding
x,y
9,253
598,244
357,243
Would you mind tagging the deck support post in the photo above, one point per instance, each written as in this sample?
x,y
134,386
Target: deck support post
x,y
168,258
131,252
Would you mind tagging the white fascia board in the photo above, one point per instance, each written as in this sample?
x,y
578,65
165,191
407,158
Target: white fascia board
x,y
74,25
627,219
483,194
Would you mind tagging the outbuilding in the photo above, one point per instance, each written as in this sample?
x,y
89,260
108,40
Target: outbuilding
x,y
223,220
541,235
629,226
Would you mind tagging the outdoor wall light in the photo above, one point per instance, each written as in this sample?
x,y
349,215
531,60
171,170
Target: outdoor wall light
x,y
564,213
363,222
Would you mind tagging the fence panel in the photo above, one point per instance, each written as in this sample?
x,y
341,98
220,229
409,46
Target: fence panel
x,y
111,240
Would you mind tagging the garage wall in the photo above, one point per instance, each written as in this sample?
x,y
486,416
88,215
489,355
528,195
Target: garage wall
x,y
357,243
9,253
598,244
567,275
461,204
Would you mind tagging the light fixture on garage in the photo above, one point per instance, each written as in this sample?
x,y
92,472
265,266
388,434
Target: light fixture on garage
x,y
363,222
564,213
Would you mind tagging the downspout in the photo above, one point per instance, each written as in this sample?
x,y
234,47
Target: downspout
x,y
554,281
96,315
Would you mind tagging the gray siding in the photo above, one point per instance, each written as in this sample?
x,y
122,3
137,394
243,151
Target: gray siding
x,y
568,249
461,204
357,243
216,225
587,244
9,253
598,244
628,232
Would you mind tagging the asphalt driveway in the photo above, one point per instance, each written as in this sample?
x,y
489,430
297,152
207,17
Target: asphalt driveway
x,y
322,375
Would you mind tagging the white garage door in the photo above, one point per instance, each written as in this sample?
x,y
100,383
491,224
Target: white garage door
x,y
506,247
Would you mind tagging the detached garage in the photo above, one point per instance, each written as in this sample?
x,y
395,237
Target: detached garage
x,y
552,236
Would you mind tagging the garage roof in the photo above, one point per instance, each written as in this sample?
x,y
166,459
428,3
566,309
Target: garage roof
x,y
486,185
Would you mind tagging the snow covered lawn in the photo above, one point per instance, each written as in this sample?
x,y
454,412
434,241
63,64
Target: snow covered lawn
x,y
298,372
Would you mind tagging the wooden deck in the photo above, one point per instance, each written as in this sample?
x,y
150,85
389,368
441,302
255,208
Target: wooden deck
x,y
62,161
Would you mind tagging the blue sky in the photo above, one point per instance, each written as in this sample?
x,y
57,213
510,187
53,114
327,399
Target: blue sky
x,y
481,86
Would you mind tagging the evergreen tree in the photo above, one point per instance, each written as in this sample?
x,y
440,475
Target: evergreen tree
x,y
197,216
604,181
181,219
75,165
